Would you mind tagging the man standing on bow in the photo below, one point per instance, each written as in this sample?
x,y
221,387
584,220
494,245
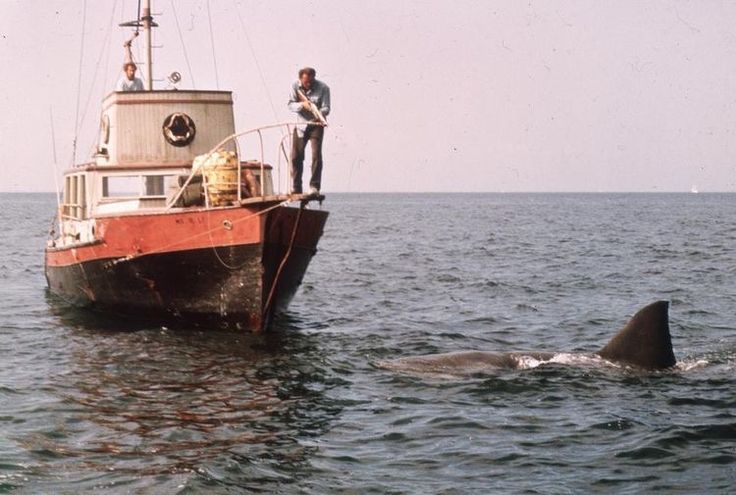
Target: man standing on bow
x,y
310,100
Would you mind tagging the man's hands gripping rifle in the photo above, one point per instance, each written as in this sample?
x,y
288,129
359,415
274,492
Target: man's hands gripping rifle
x,y
311,107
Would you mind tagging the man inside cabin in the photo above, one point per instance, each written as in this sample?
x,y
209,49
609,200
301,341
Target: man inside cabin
x,y
129,82
310,100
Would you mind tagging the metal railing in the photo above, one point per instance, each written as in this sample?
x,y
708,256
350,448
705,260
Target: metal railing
x,y
196,170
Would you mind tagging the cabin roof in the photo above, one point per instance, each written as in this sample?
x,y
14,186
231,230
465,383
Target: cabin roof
x,y
167,96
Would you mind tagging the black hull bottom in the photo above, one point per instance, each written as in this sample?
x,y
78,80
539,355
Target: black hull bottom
x,y
227,286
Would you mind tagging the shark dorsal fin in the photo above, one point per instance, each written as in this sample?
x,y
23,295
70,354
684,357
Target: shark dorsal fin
x,y
645,341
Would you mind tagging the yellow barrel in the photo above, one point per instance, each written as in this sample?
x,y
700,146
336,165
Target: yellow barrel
x,y
220,171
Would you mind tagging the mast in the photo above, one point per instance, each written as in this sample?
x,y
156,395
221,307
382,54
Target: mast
x,y
147,23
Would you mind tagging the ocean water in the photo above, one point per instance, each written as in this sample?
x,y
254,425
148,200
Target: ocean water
x,y
93,405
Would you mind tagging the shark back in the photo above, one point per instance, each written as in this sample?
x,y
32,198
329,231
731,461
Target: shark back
x,y
645,341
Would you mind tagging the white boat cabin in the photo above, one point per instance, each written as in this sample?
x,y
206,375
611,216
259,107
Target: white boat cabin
x,y
148,141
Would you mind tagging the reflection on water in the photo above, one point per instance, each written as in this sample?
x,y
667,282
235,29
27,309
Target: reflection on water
x,y
140,401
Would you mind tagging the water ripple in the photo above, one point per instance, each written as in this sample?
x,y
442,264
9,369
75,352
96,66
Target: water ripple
x,y
94,405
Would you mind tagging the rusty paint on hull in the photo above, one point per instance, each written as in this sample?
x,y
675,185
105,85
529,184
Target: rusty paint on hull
x,y
226,283
142,234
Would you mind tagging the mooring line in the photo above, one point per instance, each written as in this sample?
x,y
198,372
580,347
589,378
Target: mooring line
x,y
267,306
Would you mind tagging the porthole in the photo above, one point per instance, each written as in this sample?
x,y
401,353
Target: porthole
x,y
179,129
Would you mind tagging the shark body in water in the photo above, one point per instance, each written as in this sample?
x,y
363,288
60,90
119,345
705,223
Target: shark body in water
x,y
645,342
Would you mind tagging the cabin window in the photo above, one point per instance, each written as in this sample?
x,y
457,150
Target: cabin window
x,y
81,196
136,186
155,185
75,196
121,186
67,190
66,205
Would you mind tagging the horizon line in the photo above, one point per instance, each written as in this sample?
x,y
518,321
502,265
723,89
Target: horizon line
x,y
474,192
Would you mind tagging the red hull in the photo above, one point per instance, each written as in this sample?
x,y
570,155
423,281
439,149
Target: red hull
x,y
236,265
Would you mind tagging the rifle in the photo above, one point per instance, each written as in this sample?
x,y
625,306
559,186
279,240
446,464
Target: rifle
x,y
312,107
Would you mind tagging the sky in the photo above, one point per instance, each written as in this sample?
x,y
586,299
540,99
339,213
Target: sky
x,y
433,95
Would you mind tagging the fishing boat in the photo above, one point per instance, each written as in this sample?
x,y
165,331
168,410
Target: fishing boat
x,y
171,219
